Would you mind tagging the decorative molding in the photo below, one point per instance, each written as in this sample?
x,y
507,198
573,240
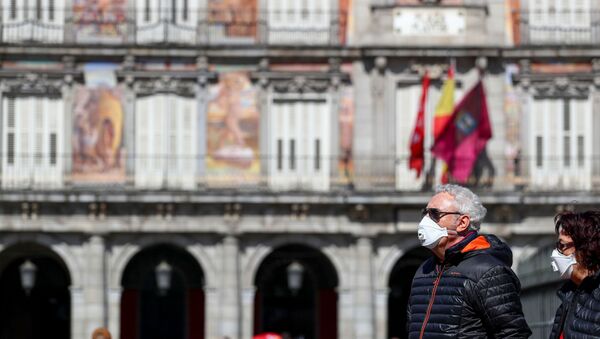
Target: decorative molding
x,y
301,84
434,71
561,86
381,63
35,83
165,84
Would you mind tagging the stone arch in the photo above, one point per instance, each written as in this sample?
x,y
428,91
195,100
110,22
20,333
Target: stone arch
x,y
120,261
265,248
384,270
53,243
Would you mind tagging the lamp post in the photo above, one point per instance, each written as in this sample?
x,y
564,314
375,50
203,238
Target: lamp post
x,y
163,277
294,276
28,271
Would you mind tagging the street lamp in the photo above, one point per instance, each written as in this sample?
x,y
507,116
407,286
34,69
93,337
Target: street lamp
x,y
163,277
294,276
27,271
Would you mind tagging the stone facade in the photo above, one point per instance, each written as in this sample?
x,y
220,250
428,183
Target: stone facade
x,y
364,226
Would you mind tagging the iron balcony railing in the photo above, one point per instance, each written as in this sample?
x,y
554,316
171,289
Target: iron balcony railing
x,y
190,27
283,173
556,27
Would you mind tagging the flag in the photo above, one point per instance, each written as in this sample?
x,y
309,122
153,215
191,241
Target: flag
x,y
417,138
465,135
443,113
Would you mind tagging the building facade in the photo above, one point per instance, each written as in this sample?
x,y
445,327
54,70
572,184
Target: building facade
x,y
222,168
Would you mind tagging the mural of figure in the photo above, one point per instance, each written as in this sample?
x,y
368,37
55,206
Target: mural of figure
x,y
233,124
97,135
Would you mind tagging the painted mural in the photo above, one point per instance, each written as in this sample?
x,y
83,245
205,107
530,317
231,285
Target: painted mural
x,y
97,136
233,129
346,121
100,20
237,17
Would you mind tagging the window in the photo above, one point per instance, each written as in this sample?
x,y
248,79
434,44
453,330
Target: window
x,y
165,141
560,137
299,142
307,21
580,155
147,11
279,154
32,133
539,151
317,154
13,9
292,154
558,21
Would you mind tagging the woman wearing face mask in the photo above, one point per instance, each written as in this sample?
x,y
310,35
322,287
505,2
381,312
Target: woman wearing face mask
x,y
577,259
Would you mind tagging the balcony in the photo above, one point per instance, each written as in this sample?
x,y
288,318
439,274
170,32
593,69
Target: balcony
x,y
192,28
53,172
556,28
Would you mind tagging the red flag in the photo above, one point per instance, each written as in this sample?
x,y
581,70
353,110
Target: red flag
x,y
465,135
417,137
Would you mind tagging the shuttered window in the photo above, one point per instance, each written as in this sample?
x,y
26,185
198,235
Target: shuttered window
x,y
165,141
33,137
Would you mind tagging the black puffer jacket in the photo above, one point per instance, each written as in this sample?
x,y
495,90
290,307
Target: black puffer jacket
x,y
579,311
472,294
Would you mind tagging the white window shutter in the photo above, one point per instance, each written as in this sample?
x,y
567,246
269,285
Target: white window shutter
x,y
33,136
148,21
148,173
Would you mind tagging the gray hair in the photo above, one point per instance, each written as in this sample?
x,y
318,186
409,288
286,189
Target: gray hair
x,y
467,203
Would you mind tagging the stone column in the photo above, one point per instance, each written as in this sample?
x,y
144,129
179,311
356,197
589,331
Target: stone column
x,y
67,96
129,130
248,312
212,306
345,313
230,303
381,312
77,313
114,311
93,292
363,305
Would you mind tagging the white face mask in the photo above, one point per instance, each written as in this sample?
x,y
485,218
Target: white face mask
x,y
563,264
430,233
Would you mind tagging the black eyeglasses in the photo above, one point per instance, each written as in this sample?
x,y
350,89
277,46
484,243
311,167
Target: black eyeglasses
x,y
435,214
562,247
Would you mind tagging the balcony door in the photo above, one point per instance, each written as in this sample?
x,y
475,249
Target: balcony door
x,y
33,20
165,142
166,21
32,142
560,145
299,21
560,21
299,146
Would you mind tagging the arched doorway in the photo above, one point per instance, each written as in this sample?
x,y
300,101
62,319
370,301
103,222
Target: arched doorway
x,y
296,294
400,282
34,294
163,295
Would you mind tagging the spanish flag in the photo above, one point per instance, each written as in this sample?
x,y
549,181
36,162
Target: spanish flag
x,y
443,113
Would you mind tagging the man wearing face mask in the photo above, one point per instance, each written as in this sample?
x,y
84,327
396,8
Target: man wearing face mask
x,y
467,289
577,259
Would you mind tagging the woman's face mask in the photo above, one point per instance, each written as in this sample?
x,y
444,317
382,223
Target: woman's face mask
x,y
563,264
430,233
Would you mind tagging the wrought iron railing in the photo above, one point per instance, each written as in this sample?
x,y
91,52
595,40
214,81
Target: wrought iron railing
x,y
270,173
192,27
556,27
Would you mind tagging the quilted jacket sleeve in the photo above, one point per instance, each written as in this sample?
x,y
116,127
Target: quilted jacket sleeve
x,y
497,293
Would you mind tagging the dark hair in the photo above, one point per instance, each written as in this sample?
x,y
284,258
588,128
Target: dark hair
x,y
584,229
